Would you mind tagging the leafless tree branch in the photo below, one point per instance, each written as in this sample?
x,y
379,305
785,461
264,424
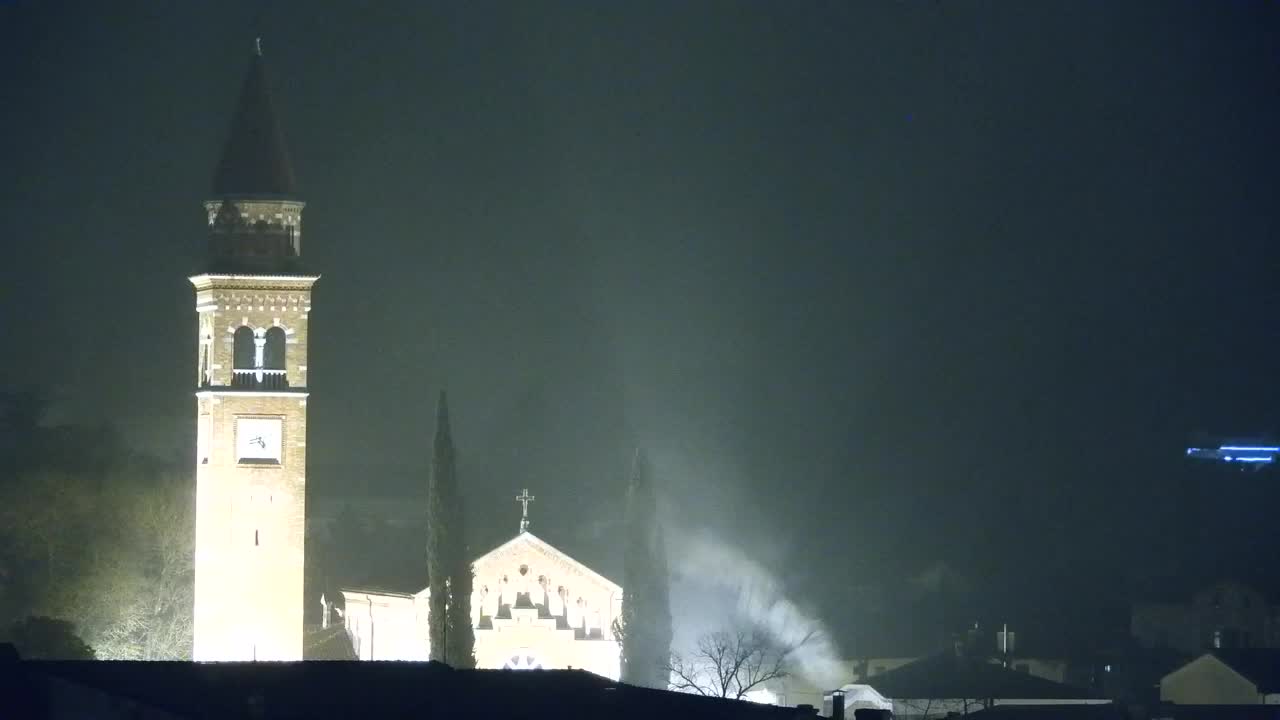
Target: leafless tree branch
x,y
729,664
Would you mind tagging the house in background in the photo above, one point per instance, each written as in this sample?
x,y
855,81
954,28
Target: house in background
x,y
995,648
1224,615
1130,673
953,682
1226,677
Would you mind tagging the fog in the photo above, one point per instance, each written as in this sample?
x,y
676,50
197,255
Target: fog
x,y
878,287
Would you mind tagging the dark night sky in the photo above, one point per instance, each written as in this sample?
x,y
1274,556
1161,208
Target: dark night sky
x,y
878,285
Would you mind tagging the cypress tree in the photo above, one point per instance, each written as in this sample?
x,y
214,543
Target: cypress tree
x,y
438,532
645,627
459,635
451,636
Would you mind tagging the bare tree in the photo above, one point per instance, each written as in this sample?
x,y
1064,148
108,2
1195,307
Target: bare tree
x,y
113,554
729,664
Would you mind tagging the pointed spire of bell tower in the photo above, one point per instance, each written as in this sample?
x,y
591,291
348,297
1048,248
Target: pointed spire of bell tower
x,y
255,161
442,417
255,216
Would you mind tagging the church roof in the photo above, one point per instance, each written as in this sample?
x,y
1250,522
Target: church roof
x,y
377,590
537,543
254,161
526,539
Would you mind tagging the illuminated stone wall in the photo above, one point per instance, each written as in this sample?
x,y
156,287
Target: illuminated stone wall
x,y
250,512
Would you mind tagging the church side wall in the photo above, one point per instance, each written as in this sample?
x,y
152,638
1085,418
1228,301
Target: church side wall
x,y
384,627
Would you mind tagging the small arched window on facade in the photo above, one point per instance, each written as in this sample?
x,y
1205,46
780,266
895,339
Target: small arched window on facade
x,y
273,358
273,355
243,356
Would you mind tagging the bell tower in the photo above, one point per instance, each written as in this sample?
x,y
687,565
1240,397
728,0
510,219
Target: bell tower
x,y
253,300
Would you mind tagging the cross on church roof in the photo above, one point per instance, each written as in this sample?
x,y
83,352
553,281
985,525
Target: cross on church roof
x,y
524,498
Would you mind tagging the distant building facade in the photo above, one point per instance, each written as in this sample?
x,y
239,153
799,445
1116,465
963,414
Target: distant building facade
x,y
533,607
1225,615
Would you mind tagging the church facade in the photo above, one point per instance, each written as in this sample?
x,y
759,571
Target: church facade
x,y
532,607
253,302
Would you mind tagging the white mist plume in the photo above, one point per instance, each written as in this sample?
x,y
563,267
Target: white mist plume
x,y
761,601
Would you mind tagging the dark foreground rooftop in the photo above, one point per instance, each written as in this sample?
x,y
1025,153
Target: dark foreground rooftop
x,y
1108,711
1121,712
164,690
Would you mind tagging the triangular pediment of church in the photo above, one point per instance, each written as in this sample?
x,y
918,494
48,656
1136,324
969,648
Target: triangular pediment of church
x,y
542,557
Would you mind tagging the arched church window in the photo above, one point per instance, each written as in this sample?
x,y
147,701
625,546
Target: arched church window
x,y
243,350
273,355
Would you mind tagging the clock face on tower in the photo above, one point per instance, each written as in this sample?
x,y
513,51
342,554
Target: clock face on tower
x,y
258,440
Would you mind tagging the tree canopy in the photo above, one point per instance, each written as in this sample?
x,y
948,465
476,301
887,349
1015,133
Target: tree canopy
x,y
107,543
46,638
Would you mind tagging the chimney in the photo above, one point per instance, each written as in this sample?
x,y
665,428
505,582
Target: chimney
x,y
837,705
871,714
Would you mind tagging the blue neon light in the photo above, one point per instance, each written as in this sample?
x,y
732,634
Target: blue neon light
x,y
1243,454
